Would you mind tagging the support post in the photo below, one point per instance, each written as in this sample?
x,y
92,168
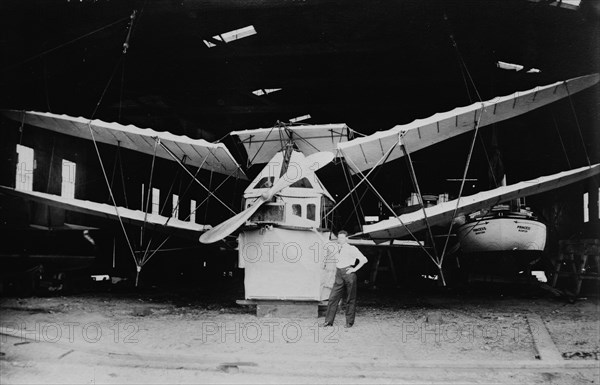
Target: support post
x,y
138,269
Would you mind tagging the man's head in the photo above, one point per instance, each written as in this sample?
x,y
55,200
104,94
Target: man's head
x,y
342,237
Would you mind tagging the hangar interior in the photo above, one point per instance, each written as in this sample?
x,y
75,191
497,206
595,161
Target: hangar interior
x,y
205,68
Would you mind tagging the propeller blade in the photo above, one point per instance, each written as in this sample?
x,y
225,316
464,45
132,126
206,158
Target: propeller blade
x,y
294,173
319,160
223,229
297,171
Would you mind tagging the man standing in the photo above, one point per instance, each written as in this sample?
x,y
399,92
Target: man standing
x,y
345,280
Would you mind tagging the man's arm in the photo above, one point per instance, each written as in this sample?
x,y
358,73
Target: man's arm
x,y
361,261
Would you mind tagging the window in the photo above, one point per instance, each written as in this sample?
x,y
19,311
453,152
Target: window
x,y
67,187
300,118
567,4
155,200
302,183
230,36
192,211
175,206
586,209
310,211
297,210
269,213
265,182
265,91
24,177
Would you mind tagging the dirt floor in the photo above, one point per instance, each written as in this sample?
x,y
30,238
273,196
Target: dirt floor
x,y
160,337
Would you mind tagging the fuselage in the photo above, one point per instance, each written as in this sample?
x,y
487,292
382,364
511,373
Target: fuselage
x,y
283,247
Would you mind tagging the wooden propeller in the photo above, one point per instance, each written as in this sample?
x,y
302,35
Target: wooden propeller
x,y
293,174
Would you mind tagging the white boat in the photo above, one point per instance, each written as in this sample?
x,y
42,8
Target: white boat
x,y
502,230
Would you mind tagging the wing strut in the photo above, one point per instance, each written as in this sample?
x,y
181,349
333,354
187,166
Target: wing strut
x,y
577,123
112,197
249,162
462,185
157,141
416,183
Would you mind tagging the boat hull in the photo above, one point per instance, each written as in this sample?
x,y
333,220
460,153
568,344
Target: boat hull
x,y
502,234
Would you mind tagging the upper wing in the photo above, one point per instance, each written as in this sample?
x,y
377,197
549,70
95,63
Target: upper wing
x,y
262,144
128,216
364,153
442,213
196,152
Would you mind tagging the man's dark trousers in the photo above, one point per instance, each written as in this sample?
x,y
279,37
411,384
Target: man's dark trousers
x,y
343,282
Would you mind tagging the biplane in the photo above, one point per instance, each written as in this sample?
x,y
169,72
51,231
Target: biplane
x,y
284,230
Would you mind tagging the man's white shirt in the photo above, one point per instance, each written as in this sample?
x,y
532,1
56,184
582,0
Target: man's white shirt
x,y
348,254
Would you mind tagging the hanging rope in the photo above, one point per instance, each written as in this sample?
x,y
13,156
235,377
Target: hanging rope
x,y
465,73
64,44
464,70
106,87
121,60
121,89
463,65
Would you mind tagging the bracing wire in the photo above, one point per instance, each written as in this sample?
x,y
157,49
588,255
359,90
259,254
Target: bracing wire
x,y
587,157
111,195
561,141
416,184
63,45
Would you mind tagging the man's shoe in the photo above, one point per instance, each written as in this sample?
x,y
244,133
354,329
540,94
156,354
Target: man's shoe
x,y
348,326
326,324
